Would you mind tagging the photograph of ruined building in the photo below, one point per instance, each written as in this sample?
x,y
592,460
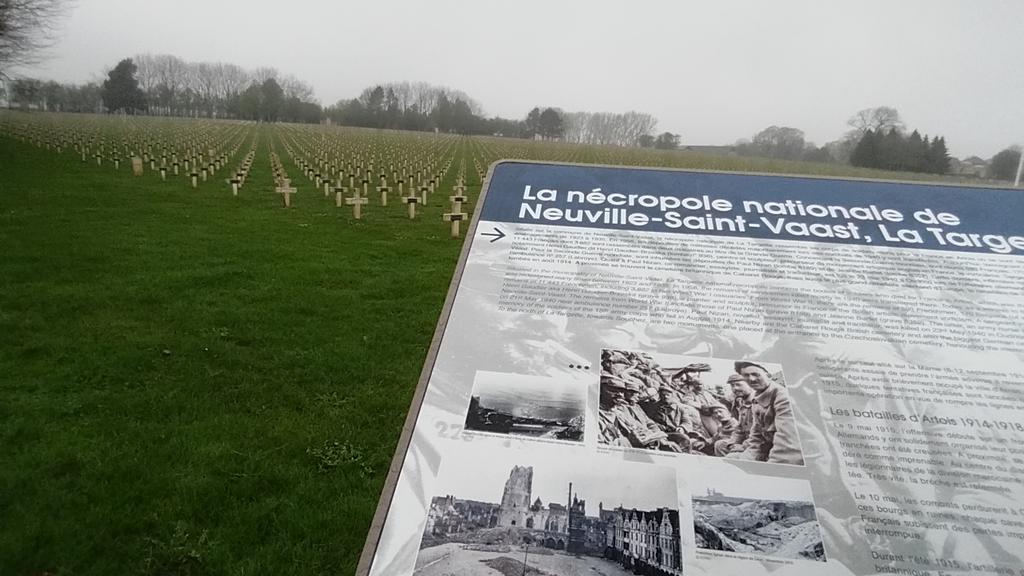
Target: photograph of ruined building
x,y
527,406
522,535
778,528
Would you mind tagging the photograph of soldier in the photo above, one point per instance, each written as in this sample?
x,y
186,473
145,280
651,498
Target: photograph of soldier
x,y
772,436
709,406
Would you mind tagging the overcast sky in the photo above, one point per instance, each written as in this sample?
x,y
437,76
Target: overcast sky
x,y
714,71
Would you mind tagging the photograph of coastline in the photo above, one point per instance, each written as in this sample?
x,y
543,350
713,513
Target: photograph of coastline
x,y
530,406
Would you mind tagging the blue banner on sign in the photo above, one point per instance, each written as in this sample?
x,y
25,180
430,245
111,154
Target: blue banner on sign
x,y
957,218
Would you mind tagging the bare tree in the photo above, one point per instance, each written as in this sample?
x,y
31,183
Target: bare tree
x,y
264,73
27,28
607,128
146,72
881,118
295,88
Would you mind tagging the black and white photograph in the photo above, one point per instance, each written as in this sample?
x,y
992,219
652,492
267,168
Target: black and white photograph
x,y
728,408
532,406
756,515
503,512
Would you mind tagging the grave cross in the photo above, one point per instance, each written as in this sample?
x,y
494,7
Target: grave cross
x,y
286,189
356,202
457,202
412,201
455,217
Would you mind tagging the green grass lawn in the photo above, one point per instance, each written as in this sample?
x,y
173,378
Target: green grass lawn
x,y
192,383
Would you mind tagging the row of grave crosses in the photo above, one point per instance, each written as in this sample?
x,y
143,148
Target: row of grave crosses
x,y
320,168
216,156
140,152
315,172
282,183
359,194
237,180
324,153
88,140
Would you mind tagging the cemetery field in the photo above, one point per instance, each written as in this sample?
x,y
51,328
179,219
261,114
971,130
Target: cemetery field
x,y
193,382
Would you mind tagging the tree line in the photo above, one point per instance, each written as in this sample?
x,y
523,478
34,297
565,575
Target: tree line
x,y
167,85
893,151
876,139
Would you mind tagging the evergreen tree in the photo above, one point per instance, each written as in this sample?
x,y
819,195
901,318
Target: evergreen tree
x,y
667,141
249,103
443,114
893,152
550,124
938,156
866,153
121,89
915,153
532,124
271,100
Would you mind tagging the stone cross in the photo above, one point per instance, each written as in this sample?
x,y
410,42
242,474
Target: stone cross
x,y
194,176
338,192
383,189
457,201
455,217
137,166
356,202
412,201
286,189
234,185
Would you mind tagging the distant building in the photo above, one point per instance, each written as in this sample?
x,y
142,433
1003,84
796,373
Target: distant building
x,y
970,167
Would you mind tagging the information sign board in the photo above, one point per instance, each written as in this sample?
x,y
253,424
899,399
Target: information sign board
x,y
645,371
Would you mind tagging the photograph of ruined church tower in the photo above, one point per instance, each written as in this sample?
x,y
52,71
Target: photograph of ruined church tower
x,y
521,534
